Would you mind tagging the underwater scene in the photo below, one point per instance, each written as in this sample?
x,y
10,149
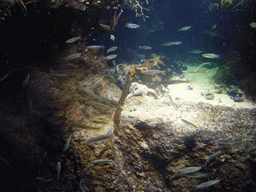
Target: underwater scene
x,y
127,95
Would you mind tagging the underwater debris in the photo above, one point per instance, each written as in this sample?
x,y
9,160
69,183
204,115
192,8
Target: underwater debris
x,y
207,184
185,121
66,146
58,170
212,157
187,170
98,139
104,161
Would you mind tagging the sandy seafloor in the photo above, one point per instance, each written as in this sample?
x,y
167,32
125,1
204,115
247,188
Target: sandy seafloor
x,y
147,108
203,84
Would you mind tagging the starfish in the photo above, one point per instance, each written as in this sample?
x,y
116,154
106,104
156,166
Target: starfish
x,y
139,89
153,63
113,22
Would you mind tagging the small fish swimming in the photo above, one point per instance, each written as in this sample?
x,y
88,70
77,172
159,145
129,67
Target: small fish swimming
x,y
253,25
211,55
96,47
112,37
132,121
187,170
171,43
184,28
189,123
152,72
58,170
109,57
131,25
73,56
111,49
214,26
207,184
98,139
197,175
25,82
42,179
145,47
81,186
81,126
66,146
6,162
73,39
212,157
104,161
196,51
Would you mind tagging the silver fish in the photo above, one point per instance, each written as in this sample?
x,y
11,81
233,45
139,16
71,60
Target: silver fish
x,y
96,47
211,55
152,72
131,25
187,170
112,49
42,179
104,161
145,47
109,57
6,162
197,175
66,146
73,56
184,28
212,157
58,170
171,43
207,184
189,123
98,139
73,39
81,186
196,51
